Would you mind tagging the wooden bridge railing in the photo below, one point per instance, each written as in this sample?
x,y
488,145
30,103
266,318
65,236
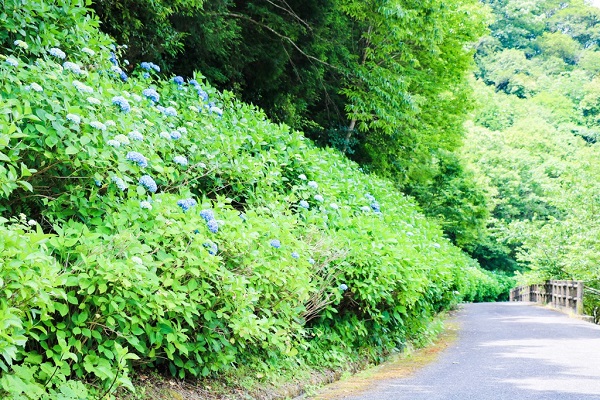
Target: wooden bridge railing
x,y
567,295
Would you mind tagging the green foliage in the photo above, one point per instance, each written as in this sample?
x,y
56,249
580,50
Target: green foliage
x,y
535,154
179,229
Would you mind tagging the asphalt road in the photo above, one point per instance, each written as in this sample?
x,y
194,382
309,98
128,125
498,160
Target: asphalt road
x,y
511,351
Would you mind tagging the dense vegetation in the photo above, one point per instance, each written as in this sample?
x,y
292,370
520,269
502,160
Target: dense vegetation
x,y
152,221
533,141
383,81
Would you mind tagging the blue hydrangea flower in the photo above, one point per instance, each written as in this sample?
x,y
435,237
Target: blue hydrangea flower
x,y
175,135
211,247
98,125
82,87
123,76
365,208
151,94
74,118
213,226
76,69
375,207
182,129
93,100
181,160
186,204
202,94
311,261
275,243
145,75
165,135
120,183
135,135
21,44
343,287
160,108
97,183
145,205
313,184
304,204
216,110
58,53
147,182
113,58
207,214
319,198
295,255
122,103
170,112
370,197
110,122
12,62
122,139
137,158
194,82
148,66
114,143
178,80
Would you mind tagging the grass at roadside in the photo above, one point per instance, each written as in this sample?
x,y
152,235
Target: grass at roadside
x,y
285,383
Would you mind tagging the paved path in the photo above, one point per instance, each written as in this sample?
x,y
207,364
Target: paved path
x,y
511,351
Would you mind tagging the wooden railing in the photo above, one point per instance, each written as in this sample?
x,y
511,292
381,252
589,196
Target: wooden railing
x,y
565,295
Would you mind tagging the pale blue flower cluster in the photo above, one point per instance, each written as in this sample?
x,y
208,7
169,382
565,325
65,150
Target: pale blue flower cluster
x,y
145,205
151,94
98,125
175,135
21,44
147,182
122,103
178,80
165,135
295,255
302,177
343,287
181,160
202,94
213,226
375,207
207,214
12,62
76,69
149,66
216,110
319,198
58,53
114,143
313,184
170,112
74,118
304,204
365,208
36,87
275,243
186,204
117,70
135,135
120,183
311,261
212,248
88,51
113,58
82,87
137,158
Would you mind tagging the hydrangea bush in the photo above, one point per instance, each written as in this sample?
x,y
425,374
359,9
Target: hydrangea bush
x,y
178,228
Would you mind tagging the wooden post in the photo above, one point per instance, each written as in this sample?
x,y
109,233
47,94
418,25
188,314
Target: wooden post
x,y
579,301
